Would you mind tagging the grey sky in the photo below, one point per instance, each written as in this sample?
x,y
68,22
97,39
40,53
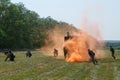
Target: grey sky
x,y
106,13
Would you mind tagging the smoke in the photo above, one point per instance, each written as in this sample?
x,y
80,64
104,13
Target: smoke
x,y
87,37
78,47
56,39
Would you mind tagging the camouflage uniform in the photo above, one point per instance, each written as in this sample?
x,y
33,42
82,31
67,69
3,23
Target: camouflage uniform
x,y
92,56
28,54
55,52
9,55
113,52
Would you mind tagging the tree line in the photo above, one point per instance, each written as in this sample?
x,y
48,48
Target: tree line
x,y
114,43
21,28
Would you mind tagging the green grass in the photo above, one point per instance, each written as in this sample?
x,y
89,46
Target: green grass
x,y
41,67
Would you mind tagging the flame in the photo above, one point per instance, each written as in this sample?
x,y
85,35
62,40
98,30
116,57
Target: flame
x,y
89,36
76,48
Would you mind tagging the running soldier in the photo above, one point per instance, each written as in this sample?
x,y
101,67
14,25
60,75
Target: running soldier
x,y
92,56
112,52
55,52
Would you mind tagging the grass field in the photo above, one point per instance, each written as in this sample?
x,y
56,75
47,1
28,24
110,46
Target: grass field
x,y
42,67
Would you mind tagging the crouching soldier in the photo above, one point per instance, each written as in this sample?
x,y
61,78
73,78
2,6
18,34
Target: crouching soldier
x,y
55,52
9,55
92,56
28,54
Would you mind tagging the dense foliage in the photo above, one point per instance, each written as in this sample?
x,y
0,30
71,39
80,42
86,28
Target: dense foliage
x,y
21,28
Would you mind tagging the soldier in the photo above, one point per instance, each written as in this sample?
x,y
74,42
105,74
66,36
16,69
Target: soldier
x,y
113,52
65,52
55,52
9,55
28,54
92,56
67,37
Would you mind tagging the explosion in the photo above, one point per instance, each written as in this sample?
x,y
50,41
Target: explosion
x,y
88,37
77,47
79,42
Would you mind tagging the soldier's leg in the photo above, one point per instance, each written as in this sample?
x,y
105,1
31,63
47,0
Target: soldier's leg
x,y
113,56
93,60
96,61
11,59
